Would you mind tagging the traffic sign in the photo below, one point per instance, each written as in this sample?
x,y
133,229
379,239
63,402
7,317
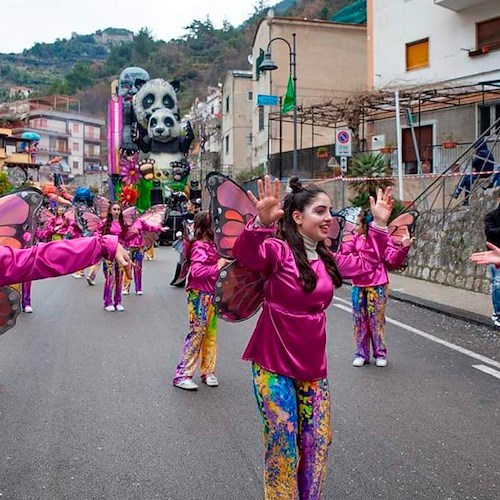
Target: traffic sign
x,y
267,100
343,142
343,164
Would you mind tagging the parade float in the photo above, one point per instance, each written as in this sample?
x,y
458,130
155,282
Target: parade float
x,y
147,142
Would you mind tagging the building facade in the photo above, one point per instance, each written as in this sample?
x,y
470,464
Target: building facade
x,y
236,136
331,61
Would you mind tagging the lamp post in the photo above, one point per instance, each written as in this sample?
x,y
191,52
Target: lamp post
x,y
269,65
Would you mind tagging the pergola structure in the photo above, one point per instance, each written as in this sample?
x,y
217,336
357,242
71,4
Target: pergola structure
x,y
359,107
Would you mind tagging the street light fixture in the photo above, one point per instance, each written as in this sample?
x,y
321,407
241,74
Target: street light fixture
x,y
269,65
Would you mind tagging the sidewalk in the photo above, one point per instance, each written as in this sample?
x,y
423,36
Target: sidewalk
x,y
463,304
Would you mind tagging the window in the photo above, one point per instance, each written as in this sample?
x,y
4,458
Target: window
x,y
261,118
75,165
417,54
487,116
488,34
226,144
76,128
75,146
250,95
227,104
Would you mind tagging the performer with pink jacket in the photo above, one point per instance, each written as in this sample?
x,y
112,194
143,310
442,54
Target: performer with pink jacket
x,y
113,272
287,348
135,245
369,295
47,260
200,344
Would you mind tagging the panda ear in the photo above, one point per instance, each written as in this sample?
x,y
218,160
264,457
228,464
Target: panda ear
x,y
175,85
177,117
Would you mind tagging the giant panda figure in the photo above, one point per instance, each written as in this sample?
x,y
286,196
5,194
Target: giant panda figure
x,y
161,135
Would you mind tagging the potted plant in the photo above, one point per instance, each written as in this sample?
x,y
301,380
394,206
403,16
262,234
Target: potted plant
x,y
322,152
449,142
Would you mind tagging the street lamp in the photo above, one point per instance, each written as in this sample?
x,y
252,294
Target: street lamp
x,y
269,65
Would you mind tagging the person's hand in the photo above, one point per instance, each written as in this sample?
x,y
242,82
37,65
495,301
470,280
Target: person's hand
x,y
123,257
164,228
267,204
382,208
489,257
407,240
222,262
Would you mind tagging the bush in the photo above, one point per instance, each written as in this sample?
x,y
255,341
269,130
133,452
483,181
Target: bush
x,y
5,185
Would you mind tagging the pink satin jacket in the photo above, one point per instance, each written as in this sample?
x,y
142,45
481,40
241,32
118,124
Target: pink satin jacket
x,y
393,257
290,335
203,271
56,258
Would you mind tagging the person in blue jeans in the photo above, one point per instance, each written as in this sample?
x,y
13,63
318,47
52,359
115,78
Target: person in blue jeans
x,y
492,231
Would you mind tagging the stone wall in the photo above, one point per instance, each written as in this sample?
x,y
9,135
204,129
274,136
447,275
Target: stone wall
x,y
441,254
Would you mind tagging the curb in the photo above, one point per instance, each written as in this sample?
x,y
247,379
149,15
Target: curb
x,y
453,312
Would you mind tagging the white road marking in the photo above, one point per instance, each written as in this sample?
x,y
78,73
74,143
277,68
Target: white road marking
x,y
488,370
426,335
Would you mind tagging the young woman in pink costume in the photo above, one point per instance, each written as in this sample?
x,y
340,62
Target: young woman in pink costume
x,y
135,246
59,227
200,344
113,272
287,349
369,295
47,260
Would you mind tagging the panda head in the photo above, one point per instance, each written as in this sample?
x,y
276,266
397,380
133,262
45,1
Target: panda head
x,y
163,126
154,95
131,80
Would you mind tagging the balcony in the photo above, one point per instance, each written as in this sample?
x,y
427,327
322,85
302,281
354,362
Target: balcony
x,y
458,5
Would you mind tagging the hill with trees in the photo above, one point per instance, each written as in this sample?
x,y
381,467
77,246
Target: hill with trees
x,y
83,66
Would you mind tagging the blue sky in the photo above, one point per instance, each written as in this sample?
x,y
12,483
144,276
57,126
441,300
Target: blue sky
x,y
25,22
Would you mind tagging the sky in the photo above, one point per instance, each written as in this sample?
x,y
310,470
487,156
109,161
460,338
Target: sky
x,y
25,22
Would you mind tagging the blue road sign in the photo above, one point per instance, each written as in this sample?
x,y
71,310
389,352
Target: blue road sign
x,y
267,100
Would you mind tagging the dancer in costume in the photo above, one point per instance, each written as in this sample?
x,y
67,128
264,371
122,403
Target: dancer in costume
x,y
285,244
113,271
141,234
26,297
200,344
61,226
370,291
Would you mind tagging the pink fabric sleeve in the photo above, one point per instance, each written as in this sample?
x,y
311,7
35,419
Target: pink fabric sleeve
x,y
150,227
199,268
56,258
395,256
366,259
256,249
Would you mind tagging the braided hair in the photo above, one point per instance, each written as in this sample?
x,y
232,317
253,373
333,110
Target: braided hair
x,y
298,199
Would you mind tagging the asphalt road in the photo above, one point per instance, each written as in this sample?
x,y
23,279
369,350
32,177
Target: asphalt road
x,y
87,409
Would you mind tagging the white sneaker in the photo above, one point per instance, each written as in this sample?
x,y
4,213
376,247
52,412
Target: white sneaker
x,y
28,309
187,385
381,362
120,308
211,380
110,308
125,292
494,317
78,276
90,281
139,292
359,361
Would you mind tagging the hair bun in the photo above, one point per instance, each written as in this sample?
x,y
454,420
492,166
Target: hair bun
x,y
295,184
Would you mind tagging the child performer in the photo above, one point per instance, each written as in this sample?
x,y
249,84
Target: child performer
x,y
369,295
287,348
135,244
113,272
200,343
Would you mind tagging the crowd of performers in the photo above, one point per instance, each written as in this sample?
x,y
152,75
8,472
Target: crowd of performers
x,y
100,217
283,261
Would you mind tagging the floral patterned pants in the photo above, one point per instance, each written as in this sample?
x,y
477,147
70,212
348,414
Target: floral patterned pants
x,y
297,434
200,344
368,309
113,282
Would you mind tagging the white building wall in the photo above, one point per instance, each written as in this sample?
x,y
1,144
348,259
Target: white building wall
x,y
451,35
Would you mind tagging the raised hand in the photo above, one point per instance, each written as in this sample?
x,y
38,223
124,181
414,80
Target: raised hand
x,y
267,204
407,240
491,256
382,208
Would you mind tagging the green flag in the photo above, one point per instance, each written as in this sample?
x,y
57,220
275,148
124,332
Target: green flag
x,y
289,100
